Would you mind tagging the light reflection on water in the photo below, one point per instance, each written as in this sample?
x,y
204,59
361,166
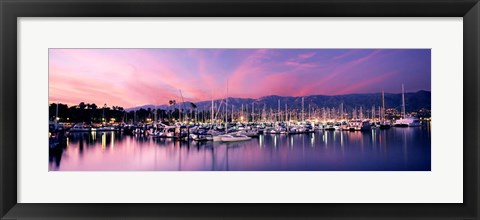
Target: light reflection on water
x,y
391,149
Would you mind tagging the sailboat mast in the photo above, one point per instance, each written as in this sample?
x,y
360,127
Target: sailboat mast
x,y
279,119
309,110
403,102
184,108
253,113
226,110
155,117
380,117
341,111
303,114
242,113
56,116
211,113
383,106
373,112
264,112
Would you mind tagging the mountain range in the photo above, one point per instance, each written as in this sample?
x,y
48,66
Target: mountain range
x,y
413,102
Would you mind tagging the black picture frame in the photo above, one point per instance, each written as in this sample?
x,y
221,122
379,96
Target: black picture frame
x,y
10,10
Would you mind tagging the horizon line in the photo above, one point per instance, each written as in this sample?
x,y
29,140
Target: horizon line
x,y
139,106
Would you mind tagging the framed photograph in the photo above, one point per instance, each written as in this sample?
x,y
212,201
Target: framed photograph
x,y
227,109
269,107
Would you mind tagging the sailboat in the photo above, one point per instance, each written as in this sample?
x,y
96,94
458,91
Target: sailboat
x,y
230,137
406,121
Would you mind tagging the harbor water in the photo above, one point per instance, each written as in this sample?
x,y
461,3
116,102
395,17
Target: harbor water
x,y
393,149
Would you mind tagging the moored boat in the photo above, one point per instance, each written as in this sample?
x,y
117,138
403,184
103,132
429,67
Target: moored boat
x,y
359,125
248,133
201,137
407,122
107,128
384,125
80,128
233,138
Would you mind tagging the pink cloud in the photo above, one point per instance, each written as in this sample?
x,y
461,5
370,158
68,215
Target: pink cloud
x,y
96,75
347,54
366,83
250,68
300,65
299,61
305,56
343,69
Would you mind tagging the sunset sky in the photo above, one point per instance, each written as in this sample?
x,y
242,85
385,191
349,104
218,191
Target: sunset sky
x,y
134,77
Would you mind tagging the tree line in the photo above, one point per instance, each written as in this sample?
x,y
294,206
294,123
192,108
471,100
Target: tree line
x,y
92,113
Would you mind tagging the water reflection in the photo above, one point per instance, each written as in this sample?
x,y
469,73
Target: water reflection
x,y
391,149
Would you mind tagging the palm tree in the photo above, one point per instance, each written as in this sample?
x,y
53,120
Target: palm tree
x,y
103,114
82,109
89,112
94,108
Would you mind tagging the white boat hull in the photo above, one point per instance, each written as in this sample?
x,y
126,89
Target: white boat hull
x,y
234,139
217,138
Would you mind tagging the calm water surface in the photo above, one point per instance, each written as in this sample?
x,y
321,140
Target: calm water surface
x,y
375,150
